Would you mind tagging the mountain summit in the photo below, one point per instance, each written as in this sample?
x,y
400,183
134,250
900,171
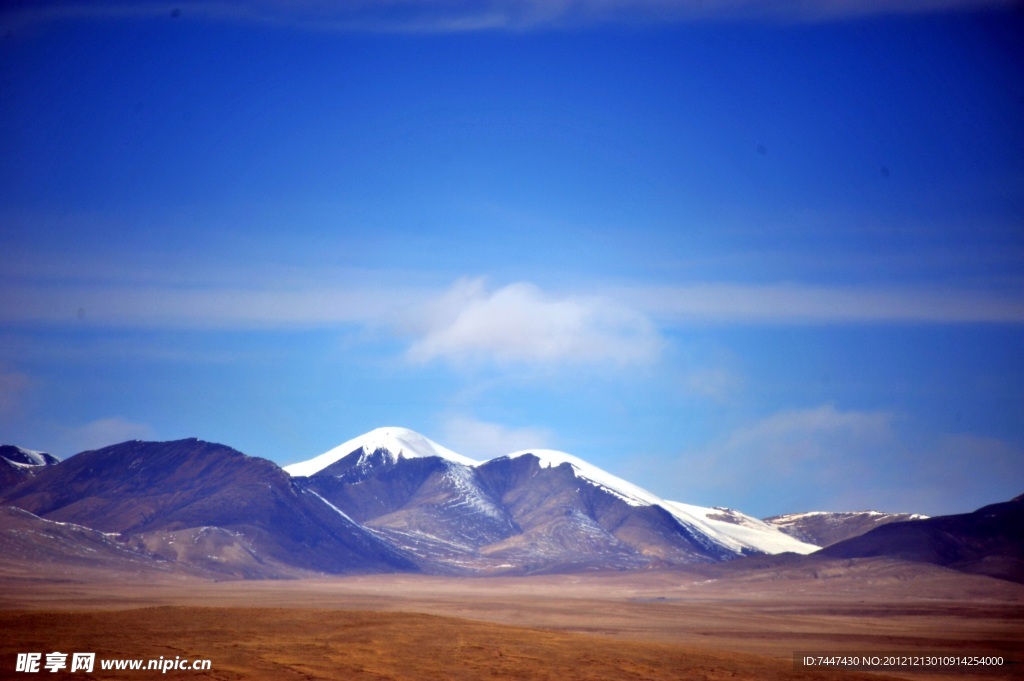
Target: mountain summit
x,y
391,443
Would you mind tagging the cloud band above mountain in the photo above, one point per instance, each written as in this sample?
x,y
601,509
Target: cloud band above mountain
x,y
457,16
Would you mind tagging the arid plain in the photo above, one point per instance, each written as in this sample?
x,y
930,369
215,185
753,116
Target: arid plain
x,y
708,624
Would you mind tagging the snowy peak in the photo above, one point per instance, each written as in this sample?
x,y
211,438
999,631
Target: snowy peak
x,y
18,464
392,443
19,456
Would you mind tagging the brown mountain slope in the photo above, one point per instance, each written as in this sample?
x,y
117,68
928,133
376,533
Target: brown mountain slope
x,y
152,488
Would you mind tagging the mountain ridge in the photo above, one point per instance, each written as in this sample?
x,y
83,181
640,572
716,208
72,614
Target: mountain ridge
x,y
825,528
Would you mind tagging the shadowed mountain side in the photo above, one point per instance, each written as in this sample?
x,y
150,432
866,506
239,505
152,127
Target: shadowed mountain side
x,y
11,475
149,488
989,541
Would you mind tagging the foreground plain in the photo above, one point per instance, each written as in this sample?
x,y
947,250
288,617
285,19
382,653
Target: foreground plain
x,y
657,625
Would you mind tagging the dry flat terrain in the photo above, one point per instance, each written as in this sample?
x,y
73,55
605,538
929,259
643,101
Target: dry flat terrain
x,y
269,643
658,625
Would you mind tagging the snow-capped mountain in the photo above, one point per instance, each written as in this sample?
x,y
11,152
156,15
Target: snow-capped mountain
x,y
392,444
19,456
18,463
825,528
531,510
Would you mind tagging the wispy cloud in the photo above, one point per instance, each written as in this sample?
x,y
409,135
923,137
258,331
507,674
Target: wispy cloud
x,y
124,305
13,387
518,321
450,16
787,441
482,440
951,473
522,323
827,458
791,303
106,431
714,383
810,453
791,439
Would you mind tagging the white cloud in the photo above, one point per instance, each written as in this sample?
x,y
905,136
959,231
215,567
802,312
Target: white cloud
x,y
107,431
521,323
482,440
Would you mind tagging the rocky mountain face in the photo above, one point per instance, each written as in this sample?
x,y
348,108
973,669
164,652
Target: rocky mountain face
x,y
989,541
825,528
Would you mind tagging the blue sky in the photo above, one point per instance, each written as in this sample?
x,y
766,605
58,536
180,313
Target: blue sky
x,y
761,258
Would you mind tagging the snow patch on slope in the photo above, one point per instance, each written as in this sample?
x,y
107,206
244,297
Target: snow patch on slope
x,y
28,457
461,477
835,516
737,530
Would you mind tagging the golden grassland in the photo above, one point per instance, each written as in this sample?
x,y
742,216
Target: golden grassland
x,y
604,626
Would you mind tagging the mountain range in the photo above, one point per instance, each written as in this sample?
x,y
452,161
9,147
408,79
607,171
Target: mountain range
x,y
392,500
